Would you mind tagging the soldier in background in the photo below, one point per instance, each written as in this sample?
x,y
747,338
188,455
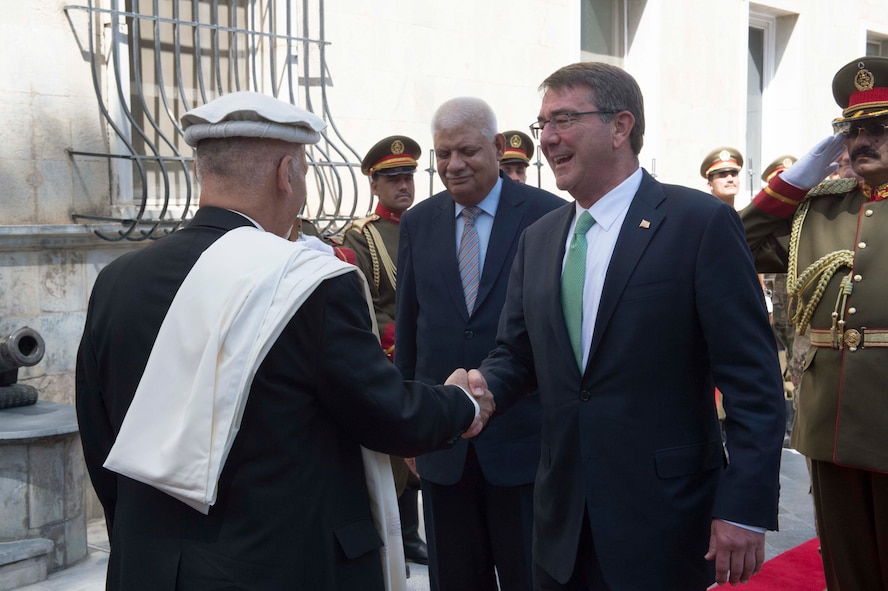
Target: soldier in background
x,y
721,169
516,157
390,164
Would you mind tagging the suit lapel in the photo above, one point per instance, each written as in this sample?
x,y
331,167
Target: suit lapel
x,y
552,278
442,232
642,221
503,236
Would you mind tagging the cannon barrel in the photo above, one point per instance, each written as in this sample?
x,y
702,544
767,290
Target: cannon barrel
x,y
21,348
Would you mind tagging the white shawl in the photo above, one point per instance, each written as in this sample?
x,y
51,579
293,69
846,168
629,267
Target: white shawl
x,y
186,412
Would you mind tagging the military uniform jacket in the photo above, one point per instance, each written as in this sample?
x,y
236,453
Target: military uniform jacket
x,y
377,261
843,411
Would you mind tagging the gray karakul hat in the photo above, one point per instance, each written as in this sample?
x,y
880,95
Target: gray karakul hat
x,y
251,114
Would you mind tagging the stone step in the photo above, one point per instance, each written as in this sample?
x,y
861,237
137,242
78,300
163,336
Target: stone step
x,y
23,562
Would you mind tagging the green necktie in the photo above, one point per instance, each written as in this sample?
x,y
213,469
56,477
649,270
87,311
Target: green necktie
x,y
572,285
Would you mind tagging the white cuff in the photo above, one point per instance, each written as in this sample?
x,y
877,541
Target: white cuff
x,y
755,528
472,398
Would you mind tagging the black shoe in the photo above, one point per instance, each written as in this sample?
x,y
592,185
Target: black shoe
x,y
416,551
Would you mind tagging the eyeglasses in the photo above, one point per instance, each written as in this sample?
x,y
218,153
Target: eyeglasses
x,y
870,128
562,121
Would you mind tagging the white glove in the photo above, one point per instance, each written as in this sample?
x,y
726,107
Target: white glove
x,y
315,243
817,164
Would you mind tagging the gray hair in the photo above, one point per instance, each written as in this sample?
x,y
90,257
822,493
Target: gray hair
x,y
244,161
465,111
610,88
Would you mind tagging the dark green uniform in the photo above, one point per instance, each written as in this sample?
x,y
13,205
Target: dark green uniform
x,y
374,240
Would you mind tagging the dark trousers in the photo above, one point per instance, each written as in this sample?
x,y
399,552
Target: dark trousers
x,y
478,533
587,572
852,517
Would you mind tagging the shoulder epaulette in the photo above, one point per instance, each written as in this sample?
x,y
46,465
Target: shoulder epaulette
x,y
359,223
833,187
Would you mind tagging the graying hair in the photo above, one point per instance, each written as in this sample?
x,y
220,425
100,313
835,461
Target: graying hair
x,y
246,161
465,111
610,88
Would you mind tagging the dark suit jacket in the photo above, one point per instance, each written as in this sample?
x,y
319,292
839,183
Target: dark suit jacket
x,y
635,439
435,335
292,509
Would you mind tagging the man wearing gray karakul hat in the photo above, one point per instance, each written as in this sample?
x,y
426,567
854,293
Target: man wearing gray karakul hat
x,y
230,387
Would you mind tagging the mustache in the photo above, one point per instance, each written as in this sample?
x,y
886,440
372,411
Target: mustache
x,y
864,151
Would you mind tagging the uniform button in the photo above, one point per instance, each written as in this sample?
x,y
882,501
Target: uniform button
x,y
868,212
470,334
585,395
852,310
858,278
861,245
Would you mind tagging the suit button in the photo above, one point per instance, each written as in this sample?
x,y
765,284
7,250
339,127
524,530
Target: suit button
x,y
470,334
585,395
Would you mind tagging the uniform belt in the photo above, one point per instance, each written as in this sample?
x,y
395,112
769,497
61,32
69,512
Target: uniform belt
x,y
850,338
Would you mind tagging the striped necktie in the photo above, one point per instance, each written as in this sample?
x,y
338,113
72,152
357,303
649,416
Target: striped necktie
x,y
572,280
470,256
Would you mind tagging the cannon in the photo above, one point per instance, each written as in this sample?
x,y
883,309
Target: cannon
x,y
20,348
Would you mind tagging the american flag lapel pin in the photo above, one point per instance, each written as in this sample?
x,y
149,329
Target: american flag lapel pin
x,y
644,224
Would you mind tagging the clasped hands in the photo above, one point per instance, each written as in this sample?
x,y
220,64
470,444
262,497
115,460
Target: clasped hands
x,y
474,383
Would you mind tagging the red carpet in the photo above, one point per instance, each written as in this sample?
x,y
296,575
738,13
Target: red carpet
x,y
798,569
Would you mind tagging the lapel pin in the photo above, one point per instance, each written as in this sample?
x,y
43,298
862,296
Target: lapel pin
x,y
644,224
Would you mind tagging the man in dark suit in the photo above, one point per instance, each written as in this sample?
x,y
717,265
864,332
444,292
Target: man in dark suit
x,y
476,497
627,325
293,507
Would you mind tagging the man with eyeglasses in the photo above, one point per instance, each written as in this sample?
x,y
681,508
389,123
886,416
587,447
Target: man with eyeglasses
x,y
721,169
627,308
830,239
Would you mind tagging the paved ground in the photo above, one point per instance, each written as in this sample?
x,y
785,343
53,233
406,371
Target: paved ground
x,y
796,526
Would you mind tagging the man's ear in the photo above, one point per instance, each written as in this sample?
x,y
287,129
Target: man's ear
x,y
624,122
284,176
500,141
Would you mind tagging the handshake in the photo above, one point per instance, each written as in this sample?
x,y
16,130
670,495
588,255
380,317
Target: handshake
x,y
474,383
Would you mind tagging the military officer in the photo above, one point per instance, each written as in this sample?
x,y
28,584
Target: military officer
x,y
390,164
721,169
830,238
516,157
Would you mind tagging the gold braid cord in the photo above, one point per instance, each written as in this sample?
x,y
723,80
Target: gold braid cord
x,y
381,257
820,271
374,257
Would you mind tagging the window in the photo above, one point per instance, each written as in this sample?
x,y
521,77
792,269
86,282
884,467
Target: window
x,y
153,61
603,27
876,44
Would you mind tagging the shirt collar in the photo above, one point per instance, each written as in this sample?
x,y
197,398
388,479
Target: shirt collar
x,y
607,210
488,204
